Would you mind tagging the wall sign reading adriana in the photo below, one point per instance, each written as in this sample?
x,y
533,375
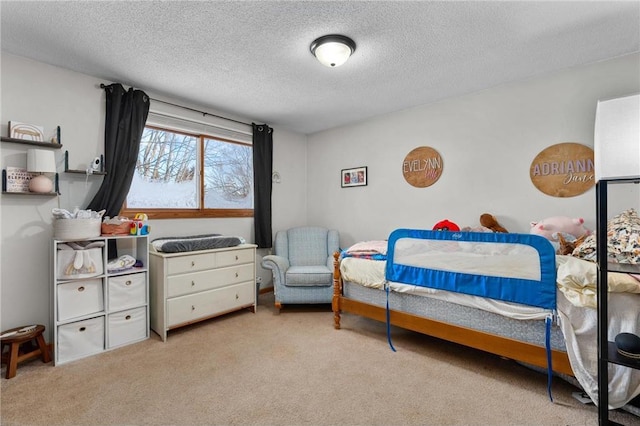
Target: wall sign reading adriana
x,y
563,170
422,167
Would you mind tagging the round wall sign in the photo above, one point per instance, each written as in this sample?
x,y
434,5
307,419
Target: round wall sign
x,y
422,167
563,170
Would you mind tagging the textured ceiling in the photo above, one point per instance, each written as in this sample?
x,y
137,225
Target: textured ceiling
x,y
252,59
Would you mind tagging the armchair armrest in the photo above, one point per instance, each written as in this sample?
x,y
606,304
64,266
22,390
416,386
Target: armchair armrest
x,y
330,262
278,266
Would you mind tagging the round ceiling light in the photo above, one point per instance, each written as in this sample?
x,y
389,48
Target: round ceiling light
x,y
333,50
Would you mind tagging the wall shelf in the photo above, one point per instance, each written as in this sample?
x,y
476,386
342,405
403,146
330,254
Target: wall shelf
x,y
27,142
100,172
56,186
48,194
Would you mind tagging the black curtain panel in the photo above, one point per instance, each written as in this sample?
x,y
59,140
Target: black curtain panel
x,y
262,170
126,116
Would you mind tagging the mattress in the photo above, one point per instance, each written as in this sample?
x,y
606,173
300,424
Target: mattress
x,y
435,306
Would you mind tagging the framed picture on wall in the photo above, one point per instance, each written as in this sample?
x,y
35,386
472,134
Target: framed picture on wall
x,y
354,177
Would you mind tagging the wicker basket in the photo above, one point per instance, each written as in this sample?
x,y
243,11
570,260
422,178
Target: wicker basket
x,y
112,229
76,229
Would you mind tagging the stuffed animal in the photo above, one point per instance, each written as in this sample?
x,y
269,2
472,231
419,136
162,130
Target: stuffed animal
x,y
551,227
445,225
567,245
488,221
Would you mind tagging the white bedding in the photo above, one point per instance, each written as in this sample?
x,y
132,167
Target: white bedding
x,y
578,322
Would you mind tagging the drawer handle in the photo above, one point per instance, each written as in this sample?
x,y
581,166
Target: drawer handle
x,y
128,282
128,317
81,288
193,308
236,257
82,329
236,275
237,297
193,263
193,283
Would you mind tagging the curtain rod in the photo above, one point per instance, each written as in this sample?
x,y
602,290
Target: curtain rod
x,y
204,113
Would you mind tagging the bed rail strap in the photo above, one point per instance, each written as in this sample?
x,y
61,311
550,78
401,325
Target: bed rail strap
x,y
547,343
386,286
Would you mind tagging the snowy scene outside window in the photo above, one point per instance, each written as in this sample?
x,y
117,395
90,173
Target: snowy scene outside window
x,y
168,172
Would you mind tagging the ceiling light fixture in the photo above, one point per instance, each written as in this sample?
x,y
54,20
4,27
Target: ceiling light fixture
x,y
333,50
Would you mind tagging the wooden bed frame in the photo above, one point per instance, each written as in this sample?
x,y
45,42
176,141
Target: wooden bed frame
x,y
498,345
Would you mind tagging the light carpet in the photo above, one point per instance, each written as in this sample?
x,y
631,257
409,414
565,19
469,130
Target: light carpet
x,y
291,368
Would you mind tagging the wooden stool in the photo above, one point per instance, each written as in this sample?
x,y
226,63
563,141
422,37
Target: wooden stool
x,y
13,356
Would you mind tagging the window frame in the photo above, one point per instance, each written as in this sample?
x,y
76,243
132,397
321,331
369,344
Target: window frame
x,y
196,213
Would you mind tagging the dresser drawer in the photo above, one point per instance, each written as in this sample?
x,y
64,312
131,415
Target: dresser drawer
x,y
179,285
191,263
184,309
235,257
80,339
78,298
127,291
127,326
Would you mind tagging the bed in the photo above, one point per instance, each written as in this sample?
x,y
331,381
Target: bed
x,y
507,294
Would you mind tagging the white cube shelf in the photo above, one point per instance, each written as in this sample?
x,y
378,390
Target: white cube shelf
x,y
95,309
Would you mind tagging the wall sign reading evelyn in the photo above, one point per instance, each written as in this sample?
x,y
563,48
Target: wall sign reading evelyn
x,y
422,167
563,170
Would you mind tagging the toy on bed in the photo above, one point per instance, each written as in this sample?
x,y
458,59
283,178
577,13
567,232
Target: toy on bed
x,y
570,228
446,225
490,222
195,243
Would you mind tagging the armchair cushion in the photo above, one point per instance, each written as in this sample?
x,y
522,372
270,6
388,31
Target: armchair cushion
x,y
299,276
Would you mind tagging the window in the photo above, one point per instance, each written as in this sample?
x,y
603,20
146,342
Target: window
x,y
182,175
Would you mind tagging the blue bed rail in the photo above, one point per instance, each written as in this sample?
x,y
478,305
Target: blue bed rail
x,y
539,292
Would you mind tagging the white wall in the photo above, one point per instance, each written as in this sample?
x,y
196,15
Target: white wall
x,y
41,94
487,139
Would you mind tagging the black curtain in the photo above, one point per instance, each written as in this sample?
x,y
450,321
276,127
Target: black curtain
x,y
126,116
262,170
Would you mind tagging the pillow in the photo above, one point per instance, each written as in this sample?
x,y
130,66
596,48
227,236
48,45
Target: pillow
x,y
623,242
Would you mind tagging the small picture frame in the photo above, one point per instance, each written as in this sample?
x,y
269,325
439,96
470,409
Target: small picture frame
x,y
354,177
18,130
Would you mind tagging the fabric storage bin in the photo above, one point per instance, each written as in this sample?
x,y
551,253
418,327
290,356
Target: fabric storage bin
x,y
127,291
79,298
127,326
76,229
72,264
80,339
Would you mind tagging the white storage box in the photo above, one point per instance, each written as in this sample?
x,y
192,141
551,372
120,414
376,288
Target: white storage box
x,y
127,291
73,264
80,339
76,229
127,326
78,298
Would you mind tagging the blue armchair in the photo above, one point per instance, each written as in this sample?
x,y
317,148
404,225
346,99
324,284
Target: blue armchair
x,y
302,265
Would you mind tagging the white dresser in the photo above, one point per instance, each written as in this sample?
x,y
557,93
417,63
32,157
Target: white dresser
x,y
193,286
96,308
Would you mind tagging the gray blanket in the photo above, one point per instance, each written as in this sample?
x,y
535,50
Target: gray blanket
x,y
195,243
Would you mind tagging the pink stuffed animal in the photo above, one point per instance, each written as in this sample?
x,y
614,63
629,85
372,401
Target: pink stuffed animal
x,y
551,226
